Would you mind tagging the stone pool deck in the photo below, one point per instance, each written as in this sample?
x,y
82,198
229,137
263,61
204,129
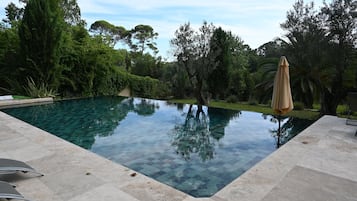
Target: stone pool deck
x,y
320,164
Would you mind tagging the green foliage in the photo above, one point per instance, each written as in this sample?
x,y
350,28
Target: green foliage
x,y
241,84
40,40
13,14
72,12
38,90
18,97
271,49
180,82
298,106
232,99
63,56
9,57
110,33
320,49
146,65
193,53
252,102
91,67
59,54
218,80
147,87
142,37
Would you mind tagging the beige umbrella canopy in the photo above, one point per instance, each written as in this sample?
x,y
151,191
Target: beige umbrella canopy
x,y
282,101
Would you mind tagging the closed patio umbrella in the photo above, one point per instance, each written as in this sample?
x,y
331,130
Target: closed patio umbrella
x,y
282,101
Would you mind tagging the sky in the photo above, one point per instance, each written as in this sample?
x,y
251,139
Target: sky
x,y
254,21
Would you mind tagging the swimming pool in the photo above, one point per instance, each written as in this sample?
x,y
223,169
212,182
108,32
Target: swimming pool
x,y
197,152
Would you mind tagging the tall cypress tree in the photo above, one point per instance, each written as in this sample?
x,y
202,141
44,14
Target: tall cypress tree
x,y
40,35
218,80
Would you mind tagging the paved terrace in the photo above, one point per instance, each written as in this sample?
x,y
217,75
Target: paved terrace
x,y
320,164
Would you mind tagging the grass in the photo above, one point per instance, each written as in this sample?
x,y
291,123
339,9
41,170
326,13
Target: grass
x,y
17,97
304,114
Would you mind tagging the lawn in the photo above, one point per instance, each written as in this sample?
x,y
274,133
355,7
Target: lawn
x,y
265,109
18,97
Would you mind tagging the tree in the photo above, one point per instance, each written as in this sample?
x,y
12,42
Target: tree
x,y
72,12
240,81
306,49
193,53
218,80
9,54
271,49
141,37
40,40
341,23
178,80
13,14
145,65
110,33
320,49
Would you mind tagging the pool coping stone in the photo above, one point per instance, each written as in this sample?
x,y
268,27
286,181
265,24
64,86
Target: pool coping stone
x,y
24,102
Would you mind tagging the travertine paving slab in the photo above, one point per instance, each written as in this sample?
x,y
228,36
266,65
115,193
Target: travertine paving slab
x,y
153,191
105,193
35,189
303,184
69,184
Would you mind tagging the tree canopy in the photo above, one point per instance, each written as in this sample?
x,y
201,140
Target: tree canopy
x,y
58,55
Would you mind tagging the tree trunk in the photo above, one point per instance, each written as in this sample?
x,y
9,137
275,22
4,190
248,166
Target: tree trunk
x,y
201,100
328,103
199,111
331,98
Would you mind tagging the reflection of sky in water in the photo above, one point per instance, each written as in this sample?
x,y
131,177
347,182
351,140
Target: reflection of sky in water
x,y
197,156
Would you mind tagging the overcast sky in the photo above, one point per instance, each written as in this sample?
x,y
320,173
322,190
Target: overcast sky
x,y
254,21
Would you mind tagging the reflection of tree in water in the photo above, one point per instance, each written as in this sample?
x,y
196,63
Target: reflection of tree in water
x,y
146,107
199,132
83,119
219,119
179,106
289,129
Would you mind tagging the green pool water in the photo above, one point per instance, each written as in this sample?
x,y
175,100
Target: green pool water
x,y
195,151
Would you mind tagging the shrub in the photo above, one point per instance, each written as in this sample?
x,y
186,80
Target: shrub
x,y
147,87
38,91
269,103
253,102
299,106
232,99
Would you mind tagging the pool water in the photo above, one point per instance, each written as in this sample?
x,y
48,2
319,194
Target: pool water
x,y
193,149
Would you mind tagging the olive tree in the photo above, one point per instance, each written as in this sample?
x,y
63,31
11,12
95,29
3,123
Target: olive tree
x,y
192,50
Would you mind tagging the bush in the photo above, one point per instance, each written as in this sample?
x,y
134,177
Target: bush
x,y
253,102
299,106
232,99
147,87
38,91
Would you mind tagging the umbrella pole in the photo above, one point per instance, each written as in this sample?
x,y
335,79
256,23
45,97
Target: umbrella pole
x,y
279,133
